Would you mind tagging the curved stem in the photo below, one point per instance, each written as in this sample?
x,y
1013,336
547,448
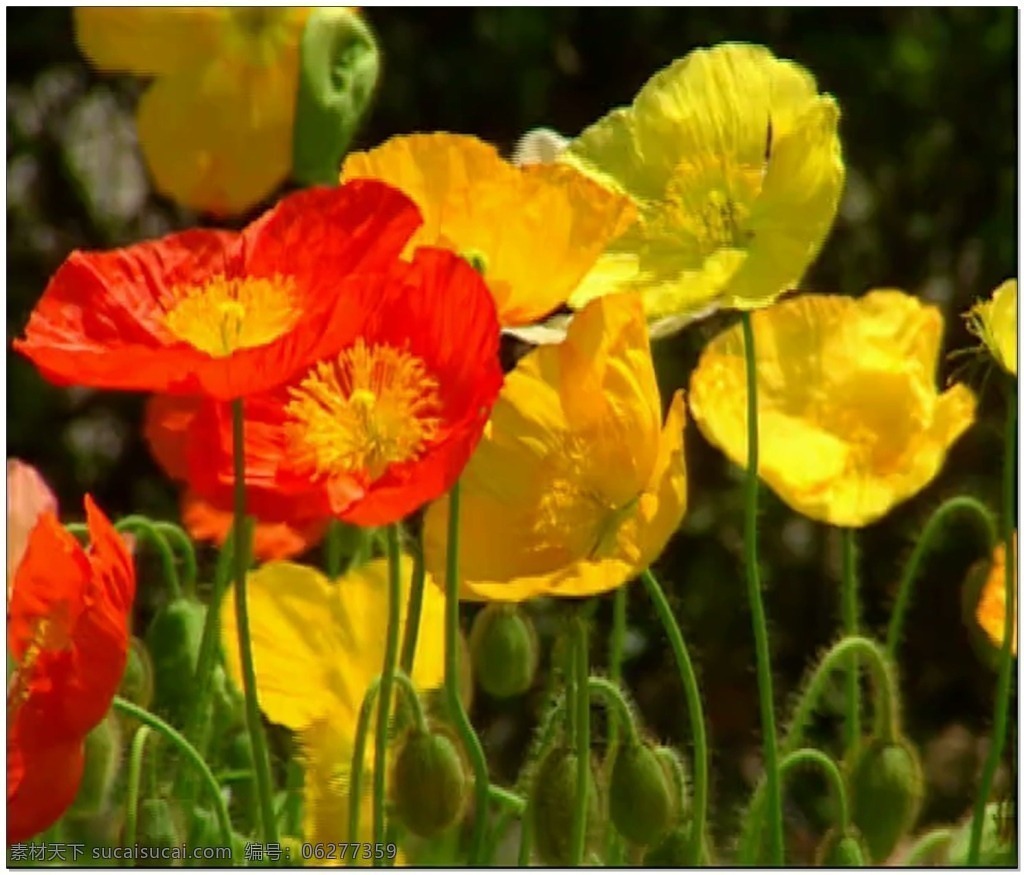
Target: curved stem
x,y
619,709
190,753
932,529
140,525
928,845
694,707
762,650
808,756
581,742
261,759
512,801
131,813
451,680
413,613
387,681
412,699
176,535
1006,654
355,786
851,623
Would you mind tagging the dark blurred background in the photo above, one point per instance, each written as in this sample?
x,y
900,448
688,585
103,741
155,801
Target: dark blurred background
x,y
929,130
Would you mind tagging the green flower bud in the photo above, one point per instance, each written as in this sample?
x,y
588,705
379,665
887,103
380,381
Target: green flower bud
x,y
677,775
640,795
674,851
173,639
137,682
156,824
503,644
841,850
429,783
102,757
998,834
553,800
886,787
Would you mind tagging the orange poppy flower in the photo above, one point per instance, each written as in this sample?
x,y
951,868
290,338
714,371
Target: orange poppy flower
x,y
216,313
372,432
167,423
67,629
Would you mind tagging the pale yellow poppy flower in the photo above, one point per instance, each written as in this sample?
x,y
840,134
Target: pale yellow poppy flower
x,y
995,322
317,646
216,123
733,160
850,422
532,231
991,610
575,487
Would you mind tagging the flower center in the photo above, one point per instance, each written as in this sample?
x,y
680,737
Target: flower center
x,y
227,315
49,634
710,199
372,407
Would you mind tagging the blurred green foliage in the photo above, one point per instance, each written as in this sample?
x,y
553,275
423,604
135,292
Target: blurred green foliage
x,y
929,127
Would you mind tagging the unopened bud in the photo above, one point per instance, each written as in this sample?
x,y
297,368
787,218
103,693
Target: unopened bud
x,y
886,787
102,758
429,783
553,802
675,851
137,682
677,775
173,638
504,650
640,795
841,850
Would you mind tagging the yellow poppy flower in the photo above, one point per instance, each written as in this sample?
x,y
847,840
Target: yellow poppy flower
x,y
575,487
733,158
995,322
850,422
215,125
991,610
532,231
317,646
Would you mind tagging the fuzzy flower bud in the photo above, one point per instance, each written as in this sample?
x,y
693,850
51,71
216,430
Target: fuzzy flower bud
x,y
503,645
886,787
640,795
553,799
429,783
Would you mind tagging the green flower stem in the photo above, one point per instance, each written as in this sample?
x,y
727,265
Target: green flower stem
x,y
808,756
525,839
332,549
1006,654
618,708
355,787
581,742
178,740
142,526
763,653
851,624
694,707
886,712
412,700
387,681
131,814
451,681
413,613
176,536
927,846
261,759
615,649
512,801
933,528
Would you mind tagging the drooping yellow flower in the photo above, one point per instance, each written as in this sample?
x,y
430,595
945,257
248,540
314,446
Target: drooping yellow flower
x,y
532,231
733,158
575,487
995,322
215,125
317,646
850,423
991,610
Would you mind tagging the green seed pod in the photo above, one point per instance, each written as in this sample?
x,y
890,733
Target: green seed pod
x,y
886,787
156,824
640,795
102,757
504,649
429,783
137,682
841,850
553,804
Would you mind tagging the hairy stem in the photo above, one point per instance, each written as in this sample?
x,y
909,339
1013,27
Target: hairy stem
x,y
851,624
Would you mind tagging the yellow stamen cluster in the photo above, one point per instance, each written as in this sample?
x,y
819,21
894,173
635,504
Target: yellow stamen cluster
x,y
372,407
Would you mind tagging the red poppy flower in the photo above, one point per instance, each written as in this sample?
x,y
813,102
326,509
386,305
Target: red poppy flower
x,y
167,422
372,432
67,629
217,313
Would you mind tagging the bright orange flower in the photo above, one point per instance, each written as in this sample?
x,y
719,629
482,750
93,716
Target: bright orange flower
x,y
67,630
168,419
215,313
372,432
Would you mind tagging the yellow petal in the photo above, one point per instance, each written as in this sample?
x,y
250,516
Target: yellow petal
x,y
148,41
318,645
995,322
850,422
517,223
574,486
